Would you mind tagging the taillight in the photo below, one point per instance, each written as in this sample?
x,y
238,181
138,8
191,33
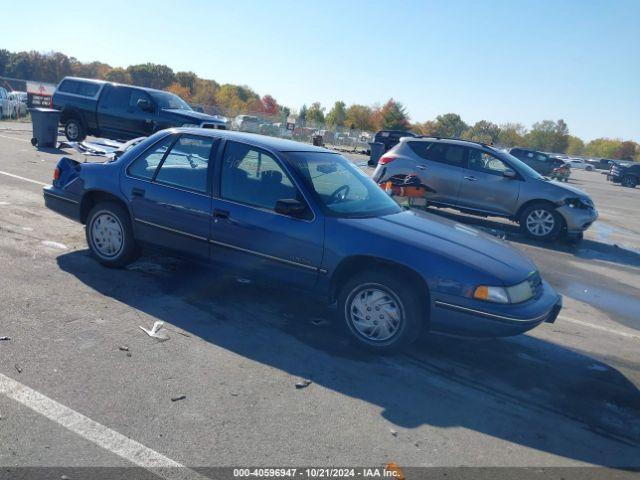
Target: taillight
x,y
56,174
386,159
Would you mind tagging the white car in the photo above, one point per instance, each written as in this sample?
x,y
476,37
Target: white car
x,y
6,106
579,164
17,104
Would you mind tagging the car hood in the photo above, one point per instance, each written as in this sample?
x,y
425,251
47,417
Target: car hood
x,y
198,117
567,189
461,243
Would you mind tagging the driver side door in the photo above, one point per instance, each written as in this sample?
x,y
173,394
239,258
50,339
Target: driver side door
x,y
247,235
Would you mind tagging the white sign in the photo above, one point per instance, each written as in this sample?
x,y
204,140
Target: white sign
x,y
39,88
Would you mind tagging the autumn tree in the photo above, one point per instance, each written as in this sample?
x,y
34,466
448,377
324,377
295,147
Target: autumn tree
x,y
315,114
359,117
270,106
393,116
512,135
575,146
118,75
626,151
549,136
483,131
179,90
187,80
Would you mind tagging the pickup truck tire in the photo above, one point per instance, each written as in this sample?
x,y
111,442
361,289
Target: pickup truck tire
x,y
74,130
110,235
629,181
541,221
381,313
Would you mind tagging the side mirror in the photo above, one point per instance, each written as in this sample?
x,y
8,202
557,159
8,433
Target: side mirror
x,y
145,105
290,207
509,173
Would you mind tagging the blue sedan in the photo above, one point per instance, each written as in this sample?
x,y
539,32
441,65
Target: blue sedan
x,y
303,217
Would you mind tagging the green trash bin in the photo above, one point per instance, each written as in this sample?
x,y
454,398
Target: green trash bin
x,y
45,127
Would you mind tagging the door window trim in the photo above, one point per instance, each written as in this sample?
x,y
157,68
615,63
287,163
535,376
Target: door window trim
x,y
217,190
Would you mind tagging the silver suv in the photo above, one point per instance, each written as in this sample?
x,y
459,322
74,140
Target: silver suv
x,y
479,179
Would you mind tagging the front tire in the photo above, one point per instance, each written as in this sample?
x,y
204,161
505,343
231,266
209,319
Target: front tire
x,y
629,181
381,313
74,130
541,221
110,235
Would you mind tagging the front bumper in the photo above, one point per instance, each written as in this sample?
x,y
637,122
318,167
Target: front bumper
x,y
61,202
577,219
469,317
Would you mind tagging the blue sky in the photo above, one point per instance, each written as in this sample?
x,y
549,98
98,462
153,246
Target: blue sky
x,y
504,61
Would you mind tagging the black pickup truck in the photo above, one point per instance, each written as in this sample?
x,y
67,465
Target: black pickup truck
x,y
625,173
111,110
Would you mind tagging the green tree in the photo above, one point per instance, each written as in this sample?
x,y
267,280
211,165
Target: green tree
x,y
394,116
359,117
302,115
512,135
315,114
151,75
549,136
603,147
337,115
118,75
204,92
450,125
187,80
575,146
483,131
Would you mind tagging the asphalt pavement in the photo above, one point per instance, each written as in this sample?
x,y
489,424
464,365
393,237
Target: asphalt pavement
x,y
81,385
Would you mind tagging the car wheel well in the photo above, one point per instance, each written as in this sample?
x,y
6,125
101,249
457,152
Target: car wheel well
x,y
93,198
71,114
356,264
526,205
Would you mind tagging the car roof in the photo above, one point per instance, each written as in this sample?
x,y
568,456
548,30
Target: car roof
x,y
453,141
115,84
273,143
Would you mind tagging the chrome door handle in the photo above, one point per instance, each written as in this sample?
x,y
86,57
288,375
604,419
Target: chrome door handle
x,y
471,179
422,167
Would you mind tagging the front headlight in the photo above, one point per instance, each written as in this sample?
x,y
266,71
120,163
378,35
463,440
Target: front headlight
x,y
521,292
578,202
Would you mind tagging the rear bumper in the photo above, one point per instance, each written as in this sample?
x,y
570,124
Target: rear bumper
x,y
577,219
61,202
473,318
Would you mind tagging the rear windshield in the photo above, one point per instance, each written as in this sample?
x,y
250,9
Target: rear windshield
x,y
78,87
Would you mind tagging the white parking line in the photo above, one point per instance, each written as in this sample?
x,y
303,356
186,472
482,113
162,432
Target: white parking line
x,y
95,432
23,178
599,327
16,139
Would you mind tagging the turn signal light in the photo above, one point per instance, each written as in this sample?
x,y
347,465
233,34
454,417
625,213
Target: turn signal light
x,y
481,293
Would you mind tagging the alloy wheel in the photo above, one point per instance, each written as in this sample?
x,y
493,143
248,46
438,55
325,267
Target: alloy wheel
x,y
540,222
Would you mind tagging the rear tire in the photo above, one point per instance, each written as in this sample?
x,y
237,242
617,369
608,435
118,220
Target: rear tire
x,y
74,130
110,235
588,169
541,221
629,181
381,313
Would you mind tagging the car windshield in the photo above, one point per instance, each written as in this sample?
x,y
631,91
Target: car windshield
x,y
169,100
342,189
519,165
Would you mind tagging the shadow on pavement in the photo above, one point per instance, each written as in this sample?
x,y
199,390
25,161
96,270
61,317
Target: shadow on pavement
x,y
506,388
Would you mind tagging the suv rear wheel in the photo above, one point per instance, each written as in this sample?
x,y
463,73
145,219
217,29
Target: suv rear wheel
x,y
629,181
541,221
74,130
381,313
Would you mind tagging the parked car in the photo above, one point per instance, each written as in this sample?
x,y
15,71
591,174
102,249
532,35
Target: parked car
x,y
561,173
5,103
541,162
579,164
390,138
19,108
626,174
477,178
246,123
602,163
291,214
111,110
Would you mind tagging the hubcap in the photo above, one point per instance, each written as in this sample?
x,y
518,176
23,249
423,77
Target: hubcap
x,y
540,222
375,313
107,235
72,130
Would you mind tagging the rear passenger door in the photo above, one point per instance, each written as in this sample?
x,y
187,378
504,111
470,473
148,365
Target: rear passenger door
x,y
168,190
441,169
247,234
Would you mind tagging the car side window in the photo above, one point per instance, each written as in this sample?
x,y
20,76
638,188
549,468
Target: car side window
x,y
146,164
483,162
187,163
445,153
137,95
420,148
253,177
117,98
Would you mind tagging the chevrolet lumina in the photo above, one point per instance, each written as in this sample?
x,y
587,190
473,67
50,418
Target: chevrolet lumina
x,y
291,214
